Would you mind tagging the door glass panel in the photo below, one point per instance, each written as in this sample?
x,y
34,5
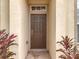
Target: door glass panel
x,y
38,30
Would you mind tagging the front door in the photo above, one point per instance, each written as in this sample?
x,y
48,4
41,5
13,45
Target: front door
x,y
38,31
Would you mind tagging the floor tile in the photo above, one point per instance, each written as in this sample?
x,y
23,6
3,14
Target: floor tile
x,y
38,55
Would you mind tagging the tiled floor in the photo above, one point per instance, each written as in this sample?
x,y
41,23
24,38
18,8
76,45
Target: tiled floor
x,y
38,55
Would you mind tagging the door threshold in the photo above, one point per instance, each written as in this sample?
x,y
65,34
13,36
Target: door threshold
x,y
38,50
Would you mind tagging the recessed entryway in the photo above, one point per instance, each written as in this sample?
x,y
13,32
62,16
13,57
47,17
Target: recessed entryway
x,y
38,26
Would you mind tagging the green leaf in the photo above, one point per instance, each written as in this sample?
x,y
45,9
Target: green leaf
x,y
61,43
62,56
63,51
9,54
11,44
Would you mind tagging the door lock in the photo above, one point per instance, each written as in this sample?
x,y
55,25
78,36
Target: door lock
x,y
27,42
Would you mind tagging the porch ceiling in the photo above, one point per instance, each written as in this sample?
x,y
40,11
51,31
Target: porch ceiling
x,y
38,1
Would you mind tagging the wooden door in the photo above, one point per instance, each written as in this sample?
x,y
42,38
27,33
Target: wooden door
x,y
38,31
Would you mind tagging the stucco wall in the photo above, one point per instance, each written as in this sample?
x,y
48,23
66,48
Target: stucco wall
x,y
52,29
60,22
19,26
65,21
60,25
71,20
4,17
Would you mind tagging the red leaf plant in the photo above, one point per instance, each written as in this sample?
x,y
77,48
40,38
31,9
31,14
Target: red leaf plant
x,y
69,49
6,41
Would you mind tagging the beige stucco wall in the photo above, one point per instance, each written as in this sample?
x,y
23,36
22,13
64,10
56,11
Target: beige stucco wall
x,y
71,20
52,29
4,17
19,26
60,22
65,21
61,25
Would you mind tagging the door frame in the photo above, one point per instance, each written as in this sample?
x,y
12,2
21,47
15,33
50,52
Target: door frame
x,y
30,28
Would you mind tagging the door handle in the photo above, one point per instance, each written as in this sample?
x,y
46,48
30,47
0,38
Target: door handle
x,y
27,42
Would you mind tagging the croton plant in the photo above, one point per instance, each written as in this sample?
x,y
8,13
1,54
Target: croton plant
x,y
69,49
6,41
